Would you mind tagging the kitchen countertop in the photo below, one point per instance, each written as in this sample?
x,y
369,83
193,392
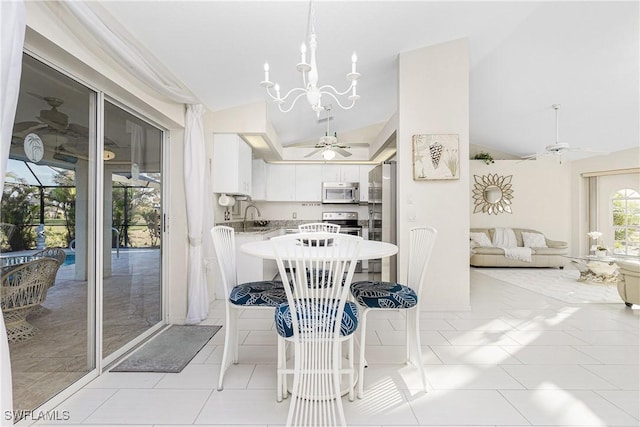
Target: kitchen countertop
x,y
259,230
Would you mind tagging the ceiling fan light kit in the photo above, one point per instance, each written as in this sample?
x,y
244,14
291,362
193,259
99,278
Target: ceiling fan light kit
x,y
328,154
309,71
328,144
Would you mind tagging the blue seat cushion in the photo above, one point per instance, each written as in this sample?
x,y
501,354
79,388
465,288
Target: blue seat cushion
x,y
318,278
374,294
284,324
267,293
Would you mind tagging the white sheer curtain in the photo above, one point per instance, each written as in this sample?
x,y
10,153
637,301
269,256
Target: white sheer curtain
x,y
195,187
118,44
12,20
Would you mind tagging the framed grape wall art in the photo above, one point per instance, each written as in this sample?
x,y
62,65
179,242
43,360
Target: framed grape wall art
x,y
435,157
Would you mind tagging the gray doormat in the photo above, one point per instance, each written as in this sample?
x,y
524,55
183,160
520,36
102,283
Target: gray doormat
x,y
170,351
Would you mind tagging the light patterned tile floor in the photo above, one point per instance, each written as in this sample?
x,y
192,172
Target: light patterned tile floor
x,y
517,358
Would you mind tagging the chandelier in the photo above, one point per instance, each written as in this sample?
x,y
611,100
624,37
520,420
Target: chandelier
x,y
309,71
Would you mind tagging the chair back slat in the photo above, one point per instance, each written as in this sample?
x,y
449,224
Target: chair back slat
x,y
319,227
225,247
421,242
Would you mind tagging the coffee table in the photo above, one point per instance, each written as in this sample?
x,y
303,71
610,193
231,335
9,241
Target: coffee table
x,y
596,269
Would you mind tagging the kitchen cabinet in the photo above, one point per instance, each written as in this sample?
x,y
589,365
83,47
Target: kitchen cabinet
x,y
258,179
281,183
251,268
340,173
231,165
308,182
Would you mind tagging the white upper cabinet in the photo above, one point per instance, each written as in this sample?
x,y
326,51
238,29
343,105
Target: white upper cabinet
x,y
302,182
308,183
340,173
281,183
231,165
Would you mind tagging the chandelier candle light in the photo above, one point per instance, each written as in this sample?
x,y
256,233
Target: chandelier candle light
x,y
309,73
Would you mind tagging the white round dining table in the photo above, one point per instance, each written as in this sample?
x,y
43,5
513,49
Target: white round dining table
x,y
369,249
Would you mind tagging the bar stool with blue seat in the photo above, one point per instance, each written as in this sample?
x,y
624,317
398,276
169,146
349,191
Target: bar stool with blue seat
x,y
316,320
253,295
376,295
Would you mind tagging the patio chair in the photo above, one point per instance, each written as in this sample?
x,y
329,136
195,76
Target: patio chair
x,y
59,254
319,226
23,288
316,320
375,295
253,295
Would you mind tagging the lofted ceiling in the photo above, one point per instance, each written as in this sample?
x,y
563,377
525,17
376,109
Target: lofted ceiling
x,y
524,57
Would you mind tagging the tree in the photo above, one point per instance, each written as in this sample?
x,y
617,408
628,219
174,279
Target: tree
x,y
65,198
19,208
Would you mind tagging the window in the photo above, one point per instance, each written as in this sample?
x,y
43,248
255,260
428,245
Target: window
x,y
625,210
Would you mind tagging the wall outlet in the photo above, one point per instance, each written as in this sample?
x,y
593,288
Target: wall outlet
x,y
295,215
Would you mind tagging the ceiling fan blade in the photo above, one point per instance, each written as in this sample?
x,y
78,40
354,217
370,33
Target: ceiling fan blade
x,y
316,151
588,150
26,130
341,151
303,145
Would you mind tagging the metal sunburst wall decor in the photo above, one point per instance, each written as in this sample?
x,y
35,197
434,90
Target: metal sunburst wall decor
x,y
492,194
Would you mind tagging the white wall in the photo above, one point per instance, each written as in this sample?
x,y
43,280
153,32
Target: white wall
x,y
541,196
433,98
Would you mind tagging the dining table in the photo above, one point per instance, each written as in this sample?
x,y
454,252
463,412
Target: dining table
x,y
369,249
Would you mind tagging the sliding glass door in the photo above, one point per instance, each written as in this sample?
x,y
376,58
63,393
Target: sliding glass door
x,y
132,288
84,185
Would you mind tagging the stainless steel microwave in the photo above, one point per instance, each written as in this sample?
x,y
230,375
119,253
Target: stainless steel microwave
x,y
340,192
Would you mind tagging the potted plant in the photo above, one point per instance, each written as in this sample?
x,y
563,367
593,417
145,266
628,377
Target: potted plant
x,y
486,157
601,251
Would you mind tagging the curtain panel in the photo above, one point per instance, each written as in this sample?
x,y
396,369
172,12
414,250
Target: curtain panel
x,y
12,20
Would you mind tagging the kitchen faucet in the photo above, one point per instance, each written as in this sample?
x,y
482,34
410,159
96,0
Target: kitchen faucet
x,y
244,219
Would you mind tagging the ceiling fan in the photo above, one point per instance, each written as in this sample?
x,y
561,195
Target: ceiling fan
x,y
56,132
559,148
328,144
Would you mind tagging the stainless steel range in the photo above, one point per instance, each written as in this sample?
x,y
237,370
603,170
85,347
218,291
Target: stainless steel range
x,y
348,222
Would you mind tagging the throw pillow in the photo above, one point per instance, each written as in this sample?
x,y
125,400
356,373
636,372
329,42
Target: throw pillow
x,y
480,238
533,240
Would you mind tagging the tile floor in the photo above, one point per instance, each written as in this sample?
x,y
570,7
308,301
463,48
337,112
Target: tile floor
x,y
517,358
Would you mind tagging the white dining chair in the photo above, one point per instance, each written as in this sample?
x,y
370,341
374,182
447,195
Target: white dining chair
x,y
376,295
316,320
319,226
253,295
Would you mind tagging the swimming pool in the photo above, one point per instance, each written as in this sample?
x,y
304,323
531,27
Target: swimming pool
x,y
70,259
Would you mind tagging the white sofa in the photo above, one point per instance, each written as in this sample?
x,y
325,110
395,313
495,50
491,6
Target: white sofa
x,y
629,284
489,256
